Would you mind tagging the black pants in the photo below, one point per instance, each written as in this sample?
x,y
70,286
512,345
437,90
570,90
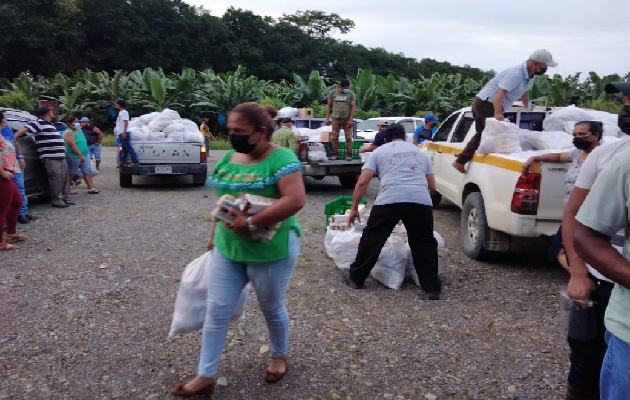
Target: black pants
x,y
418,220
587,355
481,110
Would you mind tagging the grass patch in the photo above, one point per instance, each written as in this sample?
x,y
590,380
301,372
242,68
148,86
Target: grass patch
x,y
219,144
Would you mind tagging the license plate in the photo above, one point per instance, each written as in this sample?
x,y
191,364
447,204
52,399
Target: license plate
x,y
163,170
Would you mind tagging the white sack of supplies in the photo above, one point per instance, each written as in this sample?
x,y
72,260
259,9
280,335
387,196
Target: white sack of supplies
x,y
500,137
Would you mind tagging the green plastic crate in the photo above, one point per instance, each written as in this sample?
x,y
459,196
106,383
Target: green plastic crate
x,y
356,145
339,206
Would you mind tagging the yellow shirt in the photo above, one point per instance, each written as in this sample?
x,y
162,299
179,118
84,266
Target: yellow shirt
x,y
205,131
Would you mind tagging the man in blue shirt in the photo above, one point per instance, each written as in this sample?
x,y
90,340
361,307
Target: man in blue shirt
x,y
379,138
500,93
425,132
18,178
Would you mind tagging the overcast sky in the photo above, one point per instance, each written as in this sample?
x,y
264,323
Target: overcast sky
x,y
582,35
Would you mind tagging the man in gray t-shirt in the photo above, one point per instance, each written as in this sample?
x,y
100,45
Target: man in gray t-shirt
x,y
407,181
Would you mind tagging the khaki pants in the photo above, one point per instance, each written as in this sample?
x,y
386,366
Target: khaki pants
x,y
337,124
57,171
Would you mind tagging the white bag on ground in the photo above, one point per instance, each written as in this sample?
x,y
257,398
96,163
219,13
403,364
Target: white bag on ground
x,y
411,269
500,137
190,305
344,247
392,262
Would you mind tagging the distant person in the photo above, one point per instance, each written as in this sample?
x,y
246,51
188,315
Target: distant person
x,y
406,183
94,138
122,131
77,153
10,199
18,177
207,135
379,138
284,137
52,151
425,132
499,94
341,106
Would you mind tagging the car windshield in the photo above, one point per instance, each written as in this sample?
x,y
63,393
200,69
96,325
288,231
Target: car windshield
x,y
369,125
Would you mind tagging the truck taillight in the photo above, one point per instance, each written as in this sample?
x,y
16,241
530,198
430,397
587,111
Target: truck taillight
x,y
526,195
303,152
204,153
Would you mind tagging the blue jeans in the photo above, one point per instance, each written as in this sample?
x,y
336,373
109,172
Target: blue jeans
x,y
95,150
127,149
614,382
18,179
226,281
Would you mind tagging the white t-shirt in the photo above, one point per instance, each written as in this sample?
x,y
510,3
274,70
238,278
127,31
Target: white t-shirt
x,y
597,160
123,116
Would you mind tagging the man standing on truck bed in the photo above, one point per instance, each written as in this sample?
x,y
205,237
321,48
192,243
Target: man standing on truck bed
x,y
340,107
498,95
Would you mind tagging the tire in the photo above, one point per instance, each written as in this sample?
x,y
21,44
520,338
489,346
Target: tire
x,y
436,199
474,227
199,179
125,180
348,181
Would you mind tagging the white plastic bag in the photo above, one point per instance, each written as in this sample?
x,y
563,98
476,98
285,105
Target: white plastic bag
x,y
545,140
193,137
146,118
411,269
392,262
344,247
500,137
190,305
317,155
555,121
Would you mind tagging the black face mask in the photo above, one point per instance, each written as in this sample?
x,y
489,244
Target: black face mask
x,y
581,143
541,72
241,144
624,120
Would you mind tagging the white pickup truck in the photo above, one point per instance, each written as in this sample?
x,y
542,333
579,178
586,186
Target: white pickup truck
x,y
167,158
497,202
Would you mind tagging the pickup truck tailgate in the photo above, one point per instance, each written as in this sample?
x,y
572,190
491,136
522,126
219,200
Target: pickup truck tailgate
x,y
551,201
167,152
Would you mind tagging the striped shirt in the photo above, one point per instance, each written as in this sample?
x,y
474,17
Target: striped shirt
x,y
48,141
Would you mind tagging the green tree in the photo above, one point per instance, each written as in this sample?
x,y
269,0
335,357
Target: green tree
x,y
318,23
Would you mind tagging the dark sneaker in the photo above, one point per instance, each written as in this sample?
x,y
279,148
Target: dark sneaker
x,y
22,219
60,204
434,295
345,277
69,203
30,217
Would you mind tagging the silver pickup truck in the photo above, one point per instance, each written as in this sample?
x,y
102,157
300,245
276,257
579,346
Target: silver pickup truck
x,y
167,158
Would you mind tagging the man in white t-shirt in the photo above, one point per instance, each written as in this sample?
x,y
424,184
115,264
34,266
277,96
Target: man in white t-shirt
x,y
586,283
122,131
406,183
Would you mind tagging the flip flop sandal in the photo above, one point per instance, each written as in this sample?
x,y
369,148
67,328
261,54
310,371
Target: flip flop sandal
x,y
94,191
8,247
15,237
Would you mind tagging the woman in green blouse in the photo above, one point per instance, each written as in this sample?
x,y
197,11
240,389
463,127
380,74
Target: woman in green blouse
x,y
255,166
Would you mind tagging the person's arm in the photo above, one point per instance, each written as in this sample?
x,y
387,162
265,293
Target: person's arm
x,y
595,248
368,149
431,183
5,174
359,191
580,285
328,108
353,106
525,99
100,135
20,157
292,199
551,157
498,104
20,133
126,128
68,137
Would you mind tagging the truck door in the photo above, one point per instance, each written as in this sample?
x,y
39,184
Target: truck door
x,y
450,178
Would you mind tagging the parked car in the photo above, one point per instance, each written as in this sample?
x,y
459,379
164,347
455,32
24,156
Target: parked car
x,y
367,129
35,179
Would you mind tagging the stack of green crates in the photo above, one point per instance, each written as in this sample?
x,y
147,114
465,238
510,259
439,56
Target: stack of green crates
x,y
356,145
339,206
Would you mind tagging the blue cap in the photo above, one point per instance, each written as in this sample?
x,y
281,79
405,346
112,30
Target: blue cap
x,y
84,119
430,118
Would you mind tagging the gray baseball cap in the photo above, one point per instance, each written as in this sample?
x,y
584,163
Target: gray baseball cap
x,y
543,56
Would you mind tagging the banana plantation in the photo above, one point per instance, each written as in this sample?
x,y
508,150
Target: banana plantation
x,y
196,94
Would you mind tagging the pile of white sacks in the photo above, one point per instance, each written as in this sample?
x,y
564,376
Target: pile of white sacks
x,y
164,126
506,138
395,262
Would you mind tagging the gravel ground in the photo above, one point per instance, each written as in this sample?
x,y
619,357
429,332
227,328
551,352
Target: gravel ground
x,y
70,329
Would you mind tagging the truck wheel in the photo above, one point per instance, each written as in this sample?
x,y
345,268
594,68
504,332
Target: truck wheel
x,y
474,227
436,199
199,179
348,181
125,180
